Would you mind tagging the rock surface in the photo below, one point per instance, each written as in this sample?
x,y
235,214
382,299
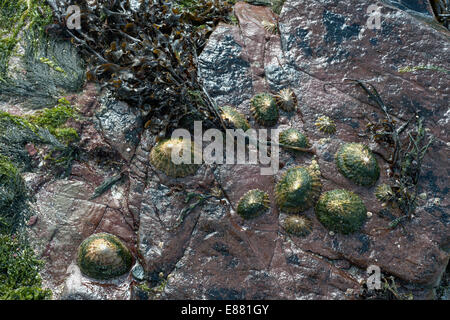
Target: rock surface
x,y
208,251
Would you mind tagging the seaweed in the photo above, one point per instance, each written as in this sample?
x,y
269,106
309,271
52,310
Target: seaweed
x,y
52,68
19,271
148,57
407,153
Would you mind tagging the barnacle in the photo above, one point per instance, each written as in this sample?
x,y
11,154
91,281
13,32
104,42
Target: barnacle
x,y
341,211
231,116
296,225
298,189
293,137
161,157
269,26
325,124
264,109
356,162
286,99
384,192
254,203
103,256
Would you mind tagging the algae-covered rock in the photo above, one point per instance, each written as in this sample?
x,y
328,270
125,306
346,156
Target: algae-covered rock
x,y
103,256
341,211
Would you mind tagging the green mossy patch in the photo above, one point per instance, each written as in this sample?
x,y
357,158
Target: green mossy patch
x,y
19,271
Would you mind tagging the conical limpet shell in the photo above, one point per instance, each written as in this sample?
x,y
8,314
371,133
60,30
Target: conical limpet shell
x,y
384,192
298,189
293,137
341,211
231,116
161,157
103,256
296,225
252,204
286,99
326,125
264,109
356,162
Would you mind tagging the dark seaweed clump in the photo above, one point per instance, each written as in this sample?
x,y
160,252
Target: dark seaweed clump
x,y
148,56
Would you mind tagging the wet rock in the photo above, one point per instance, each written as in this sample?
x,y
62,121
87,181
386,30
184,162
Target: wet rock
x,y
319,45
120,125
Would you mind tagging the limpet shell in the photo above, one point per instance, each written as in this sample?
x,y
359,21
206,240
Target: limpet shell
x,y
286,99
356,162
233,117
103,256
299,226
341,211
298,189
326,125
252,204
269,26
384,192
161,158
264,109
293,137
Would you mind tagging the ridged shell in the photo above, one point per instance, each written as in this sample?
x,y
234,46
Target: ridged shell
x,y
252,204
264,109
286,100
293,137
341,211
326,125
233,117
356,162
384,192
298,189
103,256
269,26
299,226
161,158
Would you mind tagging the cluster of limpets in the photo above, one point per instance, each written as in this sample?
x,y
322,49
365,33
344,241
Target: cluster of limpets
x,y
252,204
103,256
161,157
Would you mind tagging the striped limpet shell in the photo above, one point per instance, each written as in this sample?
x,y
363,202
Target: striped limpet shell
x,y
234,118
252,204
298,189
103,256
286,99
341,211
161,157
357,163
264,109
